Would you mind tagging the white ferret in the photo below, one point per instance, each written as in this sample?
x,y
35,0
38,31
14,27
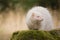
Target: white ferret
x,y
39,18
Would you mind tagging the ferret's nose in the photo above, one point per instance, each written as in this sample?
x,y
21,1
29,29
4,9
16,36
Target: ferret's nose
x,y
38,16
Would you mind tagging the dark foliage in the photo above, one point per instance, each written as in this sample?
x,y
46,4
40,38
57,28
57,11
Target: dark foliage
x,y
54,4
26,4
4,4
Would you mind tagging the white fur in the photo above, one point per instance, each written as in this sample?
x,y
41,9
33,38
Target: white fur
x,y
46,24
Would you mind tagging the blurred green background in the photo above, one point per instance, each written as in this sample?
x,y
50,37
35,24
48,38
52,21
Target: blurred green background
x,y
13,13
12,4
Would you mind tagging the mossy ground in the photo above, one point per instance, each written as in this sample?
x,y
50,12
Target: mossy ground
x,y
36,35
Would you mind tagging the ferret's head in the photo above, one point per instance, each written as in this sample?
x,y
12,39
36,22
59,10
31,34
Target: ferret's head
x,y
36,17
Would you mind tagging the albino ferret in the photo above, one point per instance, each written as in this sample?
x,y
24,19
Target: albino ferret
x,y
39,18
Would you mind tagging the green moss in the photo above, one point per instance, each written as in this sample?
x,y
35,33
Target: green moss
x,y
32,35
55,34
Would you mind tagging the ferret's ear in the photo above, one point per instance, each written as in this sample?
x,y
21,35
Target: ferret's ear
x,y
32,14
